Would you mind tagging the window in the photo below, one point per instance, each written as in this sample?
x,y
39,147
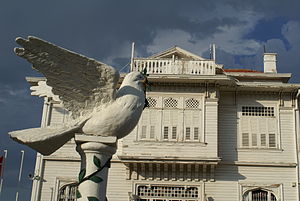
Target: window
x,y
166,133
257,111
67,192
259,195
167,193
192,125
174,133
144,132
148,127
170,103
191,103
171,124
187,133
258,127
152,102
171,118
196,133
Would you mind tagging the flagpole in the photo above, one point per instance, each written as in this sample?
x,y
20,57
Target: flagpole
x,y
20,174
2,171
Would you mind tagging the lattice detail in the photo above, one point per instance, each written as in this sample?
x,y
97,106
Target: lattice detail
x,y
152,102
170,103
67,192
192,103
258,111
168,191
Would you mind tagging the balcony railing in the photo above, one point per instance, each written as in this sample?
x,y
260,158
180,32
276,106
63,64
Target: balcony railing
x,y
169,66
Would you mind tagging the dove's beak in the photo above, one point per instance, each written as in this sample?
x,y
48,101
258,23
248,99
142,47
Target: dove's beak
x,y
145,81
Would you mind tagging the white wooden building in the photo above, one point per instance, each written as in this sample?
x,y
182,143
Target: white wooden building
x,y
209,134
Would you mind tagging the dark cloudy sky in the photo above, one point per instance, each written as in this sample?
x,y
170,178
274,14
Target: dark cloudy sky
x,y
104,30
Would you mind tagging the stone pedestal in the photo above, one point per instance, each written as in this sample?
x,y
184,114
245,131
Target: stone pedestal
x,y
95,152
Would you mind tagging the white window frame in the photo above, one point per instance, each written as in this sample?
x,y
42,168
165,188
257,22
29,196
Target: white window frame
x,y
275,189
181,107
148,135
61,182
267,134
200,186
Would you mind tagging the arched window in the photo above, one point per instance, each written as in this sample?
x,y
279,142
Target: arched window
x,y
67,192
259,195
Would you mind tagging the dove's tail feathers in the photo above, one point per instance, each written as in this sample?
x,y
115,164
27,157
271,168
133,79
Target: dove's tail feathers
x,y
45,140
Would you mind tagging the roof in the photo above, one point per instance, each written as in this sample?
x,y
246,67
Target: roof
x,y
177,51
241,71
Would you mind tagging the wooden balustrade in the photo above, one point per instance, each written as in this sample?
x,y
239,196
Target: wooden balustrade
x,y
169,66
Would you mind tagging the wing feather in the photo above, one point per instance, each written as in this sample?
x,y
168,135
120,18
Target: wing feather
x,y
80,82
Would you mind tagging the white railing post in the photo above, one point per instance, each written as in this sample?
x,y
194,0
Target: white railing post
x,y
169,66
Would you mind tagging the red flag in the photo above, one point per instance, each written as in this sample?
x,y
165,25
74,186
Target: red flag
x,y
1,165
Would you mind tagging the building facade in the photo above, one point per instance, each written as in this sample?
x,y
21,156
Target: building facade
x,y
209,134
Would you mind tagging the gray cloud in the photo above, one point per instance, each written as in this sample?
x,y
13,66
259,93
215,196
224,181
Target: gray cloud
x,y
105,29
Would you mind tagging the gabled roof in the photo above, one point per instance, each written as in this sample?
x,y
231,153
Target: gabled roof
x,y
177,51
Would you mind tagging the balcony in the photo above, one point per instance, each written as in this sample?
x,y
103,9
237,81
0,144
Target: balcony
x,y
173,66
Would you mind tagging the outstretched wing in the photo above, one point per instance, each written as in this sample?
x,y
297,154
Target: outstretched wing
x,y
80,82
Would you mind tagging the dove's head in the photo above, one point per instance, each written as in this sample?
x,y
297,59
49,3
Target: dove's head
x,y
136,80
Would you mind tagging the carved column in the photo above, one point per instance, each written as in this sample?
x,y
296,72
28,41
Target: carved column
x,y
95,152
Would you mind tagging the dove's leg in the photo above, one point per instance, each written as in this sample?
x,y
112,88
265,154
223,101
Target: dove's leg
x,y
95,158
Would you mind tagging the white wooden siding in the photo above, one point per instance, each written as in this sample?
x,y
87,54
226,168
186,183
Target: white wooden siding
x,y
57,115
227,133
54,170
230,133
117,186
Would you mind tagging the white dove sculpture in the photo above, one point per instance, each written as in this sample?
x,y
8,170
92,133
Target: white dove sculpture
x,y
87,89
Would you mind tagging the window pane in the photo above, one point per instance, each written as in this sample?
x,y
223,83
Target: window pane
x,y
196,133
174,132
187,133
259,195
168,192
144,132
258,111
166,132
272,140
263,140
254,139
152,132
245,139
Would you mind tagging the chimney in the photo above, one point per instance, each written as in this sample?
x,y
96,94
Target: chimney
x,y
270,63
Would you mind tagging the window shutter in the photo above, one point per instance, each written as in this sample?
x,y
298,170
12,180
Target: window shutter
x,y
272,132
258,127
154,123
263,141
144,120
254,130
196,133
144,132
245,131
166,124
192,124
174,132
254,139
272,140
263,130
166,133
196,124
245,139
174,123
187,133
152,132
188,124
